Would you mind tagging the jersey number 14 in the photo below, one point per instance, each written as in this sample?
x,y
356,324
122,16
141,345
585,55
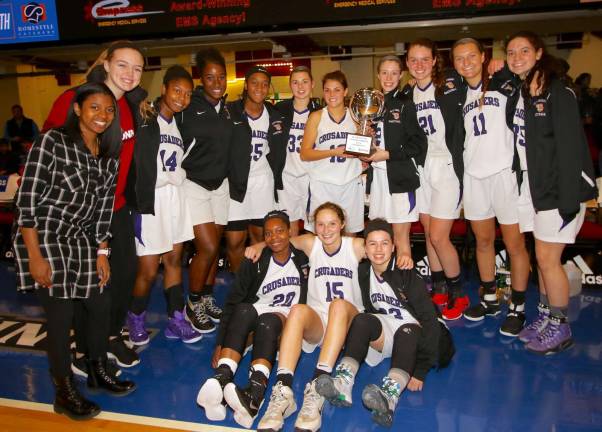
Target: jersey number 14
x,y
169,164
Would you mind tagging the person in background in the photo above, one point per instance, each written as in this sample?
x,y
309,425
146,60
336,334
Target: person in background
x,y
9,160
20,131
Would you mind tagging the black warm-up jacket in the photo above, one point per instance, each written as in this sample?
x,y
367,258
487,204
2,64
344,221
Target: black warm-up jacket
x,y
240,149
248,280
435,345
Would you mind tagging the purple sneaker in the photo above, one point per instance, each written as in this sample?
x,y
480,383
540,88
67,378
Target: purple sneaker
x,y
135,323
556,337
179,328
531,332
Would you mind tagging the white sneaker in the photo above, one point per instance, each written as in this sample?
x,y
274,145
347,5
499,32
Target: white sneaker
x,y
337,390
210,397
282,404
310,416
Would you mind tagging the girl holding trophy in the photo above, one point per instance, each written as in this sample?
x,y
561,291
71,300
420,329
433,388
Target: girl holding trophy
x,y
333,174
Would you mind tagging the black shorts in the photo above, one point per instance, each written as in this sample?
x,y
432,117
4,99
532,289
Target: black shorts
x,y
242,225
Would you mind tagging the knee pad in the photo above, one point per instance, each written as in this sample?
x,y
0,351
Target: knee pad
x,y
239,328
364,329
405,341
265,341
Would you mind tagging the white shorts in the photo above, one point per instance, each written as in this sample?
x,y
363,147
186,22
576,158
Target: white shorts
x,y
170,225
293,198
493,196
439,193
207,206
262,308
394,208
350,197
390,325
309,347
258,201
546,225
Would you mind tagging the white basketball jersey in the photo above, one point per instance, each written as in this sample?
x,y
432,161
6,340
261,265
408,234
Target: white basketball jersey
x,y
281,286
294,165
430,120
259,144
385,301
334,170
333,276
518,124
379,139
489,144
170,155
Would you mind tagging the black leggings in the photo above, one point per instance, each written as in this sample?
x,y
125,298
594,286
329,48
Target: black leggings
x,y
267,328
123,262
366,328
59,317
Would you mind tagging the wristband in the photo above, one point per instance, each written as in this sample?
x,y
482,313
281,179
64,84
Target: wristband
x,y
106,252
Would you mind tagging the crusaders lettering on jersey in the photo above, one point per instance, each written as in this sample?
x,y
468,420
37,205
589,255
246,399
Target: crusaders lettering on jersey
x,y
279,283
487,100
430,104
170,139
259,134
332,136
334,271
299,126
380,297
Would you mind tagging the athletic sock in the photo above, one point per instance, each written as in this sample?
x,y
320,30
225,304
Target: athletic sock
x,y
207,290
139,304
322,369
260,368
285,376
228,362
174,296
400,376
437,277
518,297
195,297
543,299
489,291
454,284
351,363
559,312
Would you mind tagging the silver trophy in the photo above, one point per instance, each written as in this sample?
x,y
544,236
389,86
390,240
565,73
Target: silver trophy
x,y
366,105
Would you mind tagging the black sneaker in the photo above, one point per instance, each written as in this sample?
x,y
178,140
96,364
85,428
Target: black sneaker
x,y
79,367
246,402
211,309
481,310
514,322
198,319
123,355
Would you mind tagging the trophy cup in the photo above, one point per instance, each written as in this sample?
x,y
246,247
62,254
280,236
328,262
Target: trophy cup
x,y
366,105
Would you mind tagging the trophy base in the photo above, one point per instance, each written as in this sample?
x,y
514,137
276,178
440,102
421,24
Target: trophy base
x,y
360,154
359,145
